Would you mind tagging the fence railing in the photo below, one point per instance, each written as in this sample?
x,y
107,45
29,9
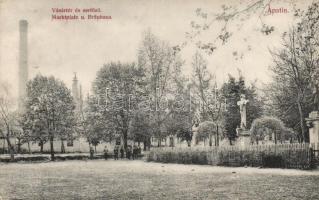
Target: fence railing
x,y
297,155
271,147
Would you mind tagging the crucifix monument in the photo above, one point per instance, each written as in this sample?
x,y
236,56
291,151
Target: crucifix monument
x,y
242,133
242,105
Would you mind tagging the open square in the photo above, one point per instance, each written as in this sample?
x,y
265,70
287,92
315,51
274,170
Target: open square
x,y
139,180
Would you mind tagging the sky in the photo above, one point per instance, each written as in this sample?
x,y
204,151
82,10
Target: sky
x,y
61,48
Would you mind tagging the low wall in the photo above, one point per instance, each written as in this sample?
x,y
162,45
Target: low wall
x,y
80,145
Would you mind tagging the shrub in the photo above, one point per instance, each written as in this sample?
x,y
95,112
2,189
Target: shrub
x,y
266,125
278,156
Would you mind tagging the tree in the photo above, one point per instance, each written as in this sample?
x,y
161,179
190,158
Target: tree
x,y
231,91
210,31
49,104
179,122
27,133
181,106
210,102
161,64
34,128
7,117
22,136
307,41
301,56
139,130
292,72
94,125
272,126
207,129
281,102
117,91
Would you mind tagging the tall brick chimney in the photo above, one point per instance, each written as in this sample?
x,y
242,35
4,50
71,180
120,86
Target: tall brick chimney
x,y
23,60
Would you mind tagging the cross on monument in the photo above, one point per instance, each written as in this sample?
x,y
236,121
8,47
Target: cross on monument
x,y
242,105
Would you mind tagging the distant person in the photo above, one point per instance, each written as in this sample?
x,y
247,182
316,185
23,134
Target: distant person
x,y
116,153
139,150
135,152
106,151
122,152
91,152
128,152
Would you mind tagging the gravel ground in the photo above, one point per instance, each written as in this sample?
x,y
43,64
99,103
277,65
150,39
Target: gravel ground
x,y
110,179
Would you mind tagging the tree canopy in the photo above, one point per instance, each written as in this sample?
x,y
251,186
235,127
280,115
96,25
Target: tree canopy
x,y
49,110
293,93
272,127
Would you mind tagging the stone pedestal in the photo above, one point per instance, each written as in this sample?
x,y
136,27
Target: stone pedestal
x,y
243,139
313,124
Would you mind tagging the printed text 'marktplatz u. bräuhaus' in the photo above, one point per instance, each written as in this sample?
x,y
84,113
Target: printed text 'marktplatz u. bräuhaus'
x,y
77,14
76,17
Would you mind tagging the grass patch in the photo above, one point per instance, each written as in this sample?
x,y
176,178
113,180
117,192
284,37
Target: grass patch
x,y
99,179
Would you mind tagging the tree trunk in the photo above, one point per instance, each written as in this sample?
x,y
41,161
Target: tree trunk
x,y
19,145
217,136
125,139
62,147
29,147
144,144
4,145
51,133
89,145
301,116
41,146
216,140
159,142
230,141
149,144
95,148
10,147
51,147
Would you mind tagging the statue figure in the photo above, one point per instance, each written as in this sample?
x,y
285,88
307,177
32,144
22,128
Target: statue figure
x,y
242,104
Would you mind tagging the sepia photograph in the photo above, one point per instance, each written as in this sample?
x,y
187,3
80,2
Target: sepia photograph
x,y
159,99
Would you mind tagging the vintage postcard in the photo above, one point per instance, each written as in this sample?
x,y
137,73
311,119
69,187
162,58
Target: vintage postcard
x,y
159,99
